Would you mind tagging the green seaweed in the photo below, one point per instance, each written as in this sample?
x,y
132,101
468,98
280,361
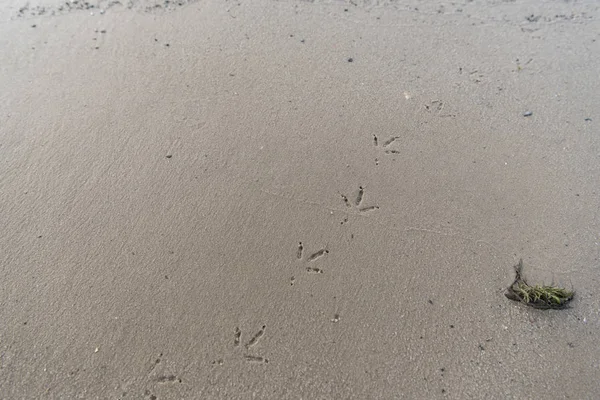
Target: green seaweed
x,y
541,297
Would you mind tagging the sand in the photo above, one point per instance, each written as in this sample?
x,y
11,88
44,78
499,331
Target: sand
x,y
160,166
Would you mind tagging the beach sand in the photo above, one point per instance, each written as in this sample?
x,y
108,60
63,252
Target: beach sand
x,y
161,164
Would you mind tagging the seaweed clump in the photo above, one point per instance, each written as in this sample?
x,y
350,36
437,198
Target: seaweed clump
x,y
541,297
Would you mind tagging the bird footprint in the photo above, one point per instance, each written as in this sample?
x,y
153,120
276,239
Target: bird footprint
x,y
358,200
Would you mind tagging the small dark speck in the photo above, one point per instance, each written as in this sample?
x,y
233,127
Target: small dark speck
x,y
39,237
33,26
96,47
153,397
481,348
103,31
443,390
420,337
302,41
570,344
351,59
577,194
291,35
527,114
169,155
345,9
166,276
25,323
451,326
167,44
430,301
155,39
442,369
588,120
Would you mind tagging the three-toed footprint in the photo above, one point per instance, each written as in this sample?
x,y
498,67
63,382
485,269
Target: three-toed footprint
x,y
386,144
237,340
311,258
252,342
357,203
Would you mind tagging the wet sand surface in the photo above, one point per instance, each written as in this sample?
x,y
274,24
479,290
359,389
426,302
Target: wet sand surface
x,y
288,199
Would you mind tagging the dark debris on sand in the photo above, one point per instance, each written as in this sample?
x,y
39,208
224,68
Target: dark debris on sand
x,y
540,297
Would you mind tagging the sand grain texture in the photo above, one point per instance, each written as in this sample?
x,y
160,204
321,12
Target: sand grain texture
x,y
160,166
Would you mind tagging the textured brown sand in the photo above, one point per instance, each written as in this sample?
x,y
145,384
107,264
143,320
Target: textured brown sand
x,y
159,167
